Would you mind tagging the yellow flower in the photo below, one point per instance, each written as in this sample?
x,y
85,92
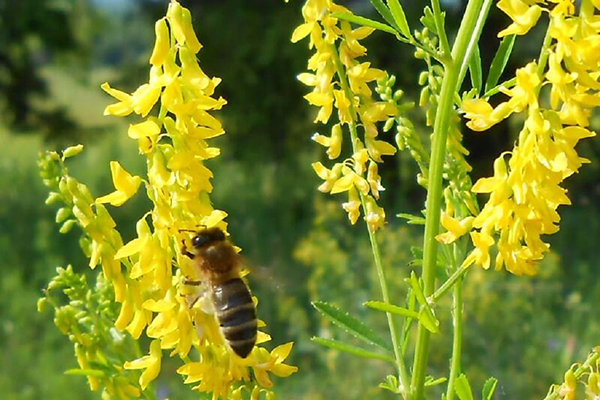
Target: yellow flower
x,y
150,364
480,255
333,143
125,184
479,113
455,228
524,16
352,206
146,133
273,363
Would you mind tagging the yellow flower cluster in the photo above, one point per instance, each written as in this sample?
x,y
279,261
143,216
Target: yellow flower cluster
x,y
151,291
525,190
340,81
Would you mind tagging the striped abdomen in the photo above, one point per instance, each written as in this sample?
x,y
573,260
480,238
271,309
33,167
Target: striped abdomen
x,y
236,315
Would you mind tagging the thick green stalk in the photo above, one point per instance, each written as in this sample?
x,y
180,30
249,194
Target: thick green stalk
x,y
434,193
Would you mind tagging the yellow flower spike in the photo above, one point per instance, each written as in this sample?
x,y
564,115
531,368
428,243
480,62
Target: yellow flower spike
x,y
146,133
523,15
162,43
150,363
126,185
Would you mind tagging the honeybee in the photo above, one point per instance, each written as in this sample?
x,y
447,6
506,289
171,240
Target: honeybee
x,y
219,265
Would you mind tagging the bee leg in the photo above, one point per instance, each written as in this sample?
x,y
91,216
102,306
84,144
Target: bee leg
x,y
192,282
192,303
185,252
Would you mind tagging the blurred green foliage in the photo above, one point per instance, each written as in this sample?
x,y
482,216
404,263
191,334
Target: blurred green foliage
x,y
524,331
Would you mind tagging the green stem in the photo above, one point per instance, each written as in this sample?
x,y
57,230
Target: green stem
x,y
455,365
439,293
441,31
434,193
399,356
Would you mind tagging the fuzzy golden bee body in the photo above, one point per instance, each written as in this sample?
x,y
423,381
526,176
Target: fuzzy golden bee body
x,y
219,264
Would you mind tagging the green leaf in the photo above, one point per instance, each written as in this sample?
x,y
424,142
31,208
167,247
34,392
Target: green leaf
x,y
429,381
364,21
463,388
86,372
475,69
351,349
386,307
428,319
426,314
384,12
399,17
499,62
350,324
390,383
488,388
412,219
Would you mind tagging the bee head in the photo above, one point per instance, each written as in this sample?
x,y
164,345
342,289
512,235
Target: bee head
x,y
207,236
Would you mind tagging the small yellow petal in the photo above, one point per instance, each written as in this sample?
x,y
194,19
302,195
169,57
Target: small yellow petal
x,y
302,31
131,248
126,185
161,45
